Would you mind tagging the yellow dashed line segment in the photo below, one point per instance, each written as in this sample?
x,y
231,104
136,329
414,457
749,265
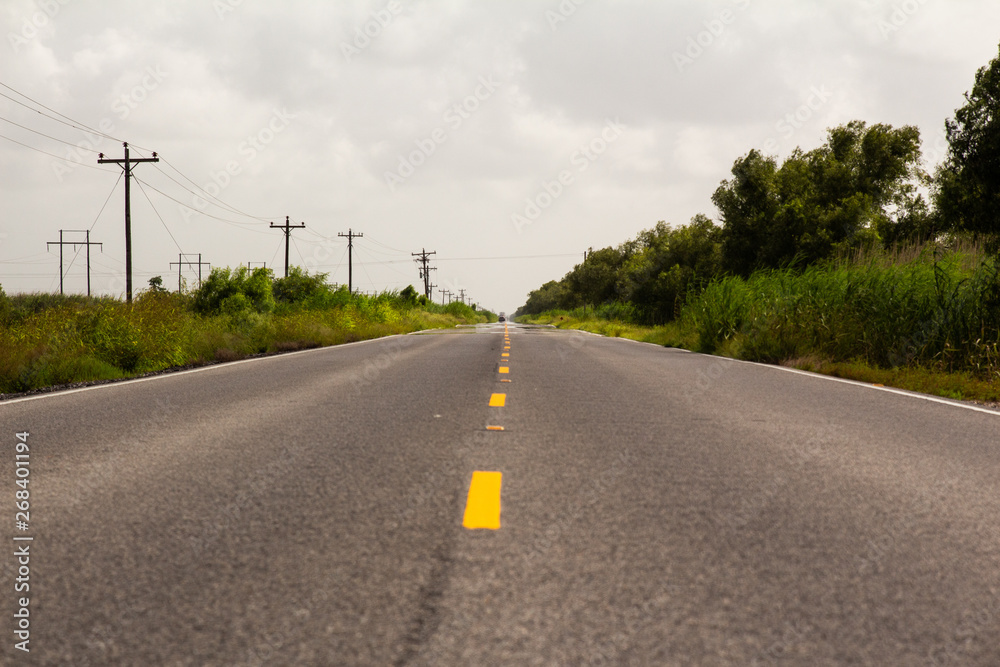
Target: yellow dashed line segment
x,y
498,400
482,509
505,369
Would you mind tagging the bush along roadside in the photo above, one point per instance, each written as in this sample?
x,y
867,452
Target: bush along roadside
x,y
928,323
48,340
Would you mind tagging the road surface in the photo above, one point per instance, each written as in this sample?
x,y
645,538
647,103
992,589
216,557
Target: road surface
x,y
644,506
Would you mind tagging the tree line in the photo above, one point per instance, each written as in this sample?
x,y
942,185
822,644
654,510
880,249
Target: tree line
x,y
864,188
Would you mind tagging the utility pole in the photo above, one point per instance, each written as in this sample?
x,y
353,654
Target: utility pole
x,y
443,293
126,165
287,228
350,236
432,292
61,243
250,265
462,294
182,262
422,257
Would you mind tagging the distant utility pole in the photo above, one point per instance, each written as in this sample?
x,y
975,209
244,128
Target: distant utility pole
x,y
61,243
432,292
461,293
443,293
250,265
287,228
423,257
350,236
182,262
126,165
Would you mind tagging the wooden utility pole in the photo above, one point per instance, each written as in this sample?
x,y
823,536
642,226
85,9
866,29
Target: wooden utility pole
x,y
182,262
61,243
126,165
422,258
287,228
350,236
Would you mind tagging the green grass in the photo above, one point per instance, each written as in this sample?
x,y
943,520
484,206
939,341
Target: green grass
x,y
50,340
924,320
669,335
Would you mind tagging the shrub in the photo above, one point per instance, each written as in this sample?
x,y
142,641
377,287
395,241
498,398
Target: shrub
x,y
254,287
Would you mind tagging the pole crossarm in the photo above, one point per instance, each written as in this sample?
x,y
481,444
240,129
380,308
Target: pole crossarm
x,y
287,228
62,243
422,258
350,236
126,164
181,262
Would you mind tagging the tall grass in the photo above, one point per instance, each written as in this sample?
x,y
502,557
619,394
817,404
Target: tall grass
x,y
923,310
50,339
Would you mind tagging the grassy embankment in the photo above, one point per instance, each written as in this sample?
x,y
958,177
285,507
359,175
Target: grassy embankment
x,y
915,320
50,340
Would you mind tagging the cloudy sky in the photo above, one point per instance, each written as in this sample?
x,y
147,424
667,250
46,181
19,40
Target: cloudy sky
x,y
507,136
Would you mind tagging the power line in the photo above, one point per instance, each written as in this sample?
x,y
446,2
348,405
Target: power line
x,y
423,257
240,225
220,204
126,165
75,124
350,235
162,221
62,243
48,136
287,228
181,262
58,157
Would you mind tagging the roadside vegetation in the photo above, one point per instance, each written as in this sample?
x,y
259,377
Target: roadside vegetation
x,y
847,259
50,339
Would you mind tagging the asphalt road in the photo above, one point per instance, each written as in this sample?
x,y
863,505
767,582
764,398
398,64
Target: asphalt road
x,y
656,508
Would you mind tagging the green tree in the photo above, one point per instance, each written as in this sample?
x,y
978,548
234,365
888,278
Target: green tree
x,y
233,291
747,205
817,203
156,285
968,183
409,295
298,286
553,295
594,280
667,264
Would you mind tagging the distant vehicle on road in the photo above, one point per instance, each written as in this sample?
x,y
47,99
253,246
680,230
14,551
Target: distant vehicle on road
x,y
503,317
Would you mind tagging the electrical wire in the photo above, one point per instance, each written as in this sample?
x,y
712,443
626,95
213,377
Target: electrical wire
x,y
48,136
58,157
377,242
240,225
94,224
179,249
220,204
75,124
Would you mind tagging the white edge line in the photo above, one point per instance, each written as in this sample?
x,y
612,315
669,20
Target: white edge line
x,y
201,369
820,376
856,383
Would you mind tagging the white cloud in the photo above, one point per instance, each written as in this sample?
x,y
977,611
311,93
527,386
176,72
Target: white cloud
x,y
226,78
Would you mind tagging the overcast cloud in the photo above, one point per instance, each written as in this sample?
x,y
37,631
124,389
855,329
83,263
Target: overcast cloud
x,y
511,129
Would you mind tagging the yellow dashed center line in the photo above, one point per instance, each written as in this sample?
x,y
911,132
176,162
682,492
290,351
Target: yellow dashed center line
x,y
498,400
505,354
505,369
494,428
482,509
